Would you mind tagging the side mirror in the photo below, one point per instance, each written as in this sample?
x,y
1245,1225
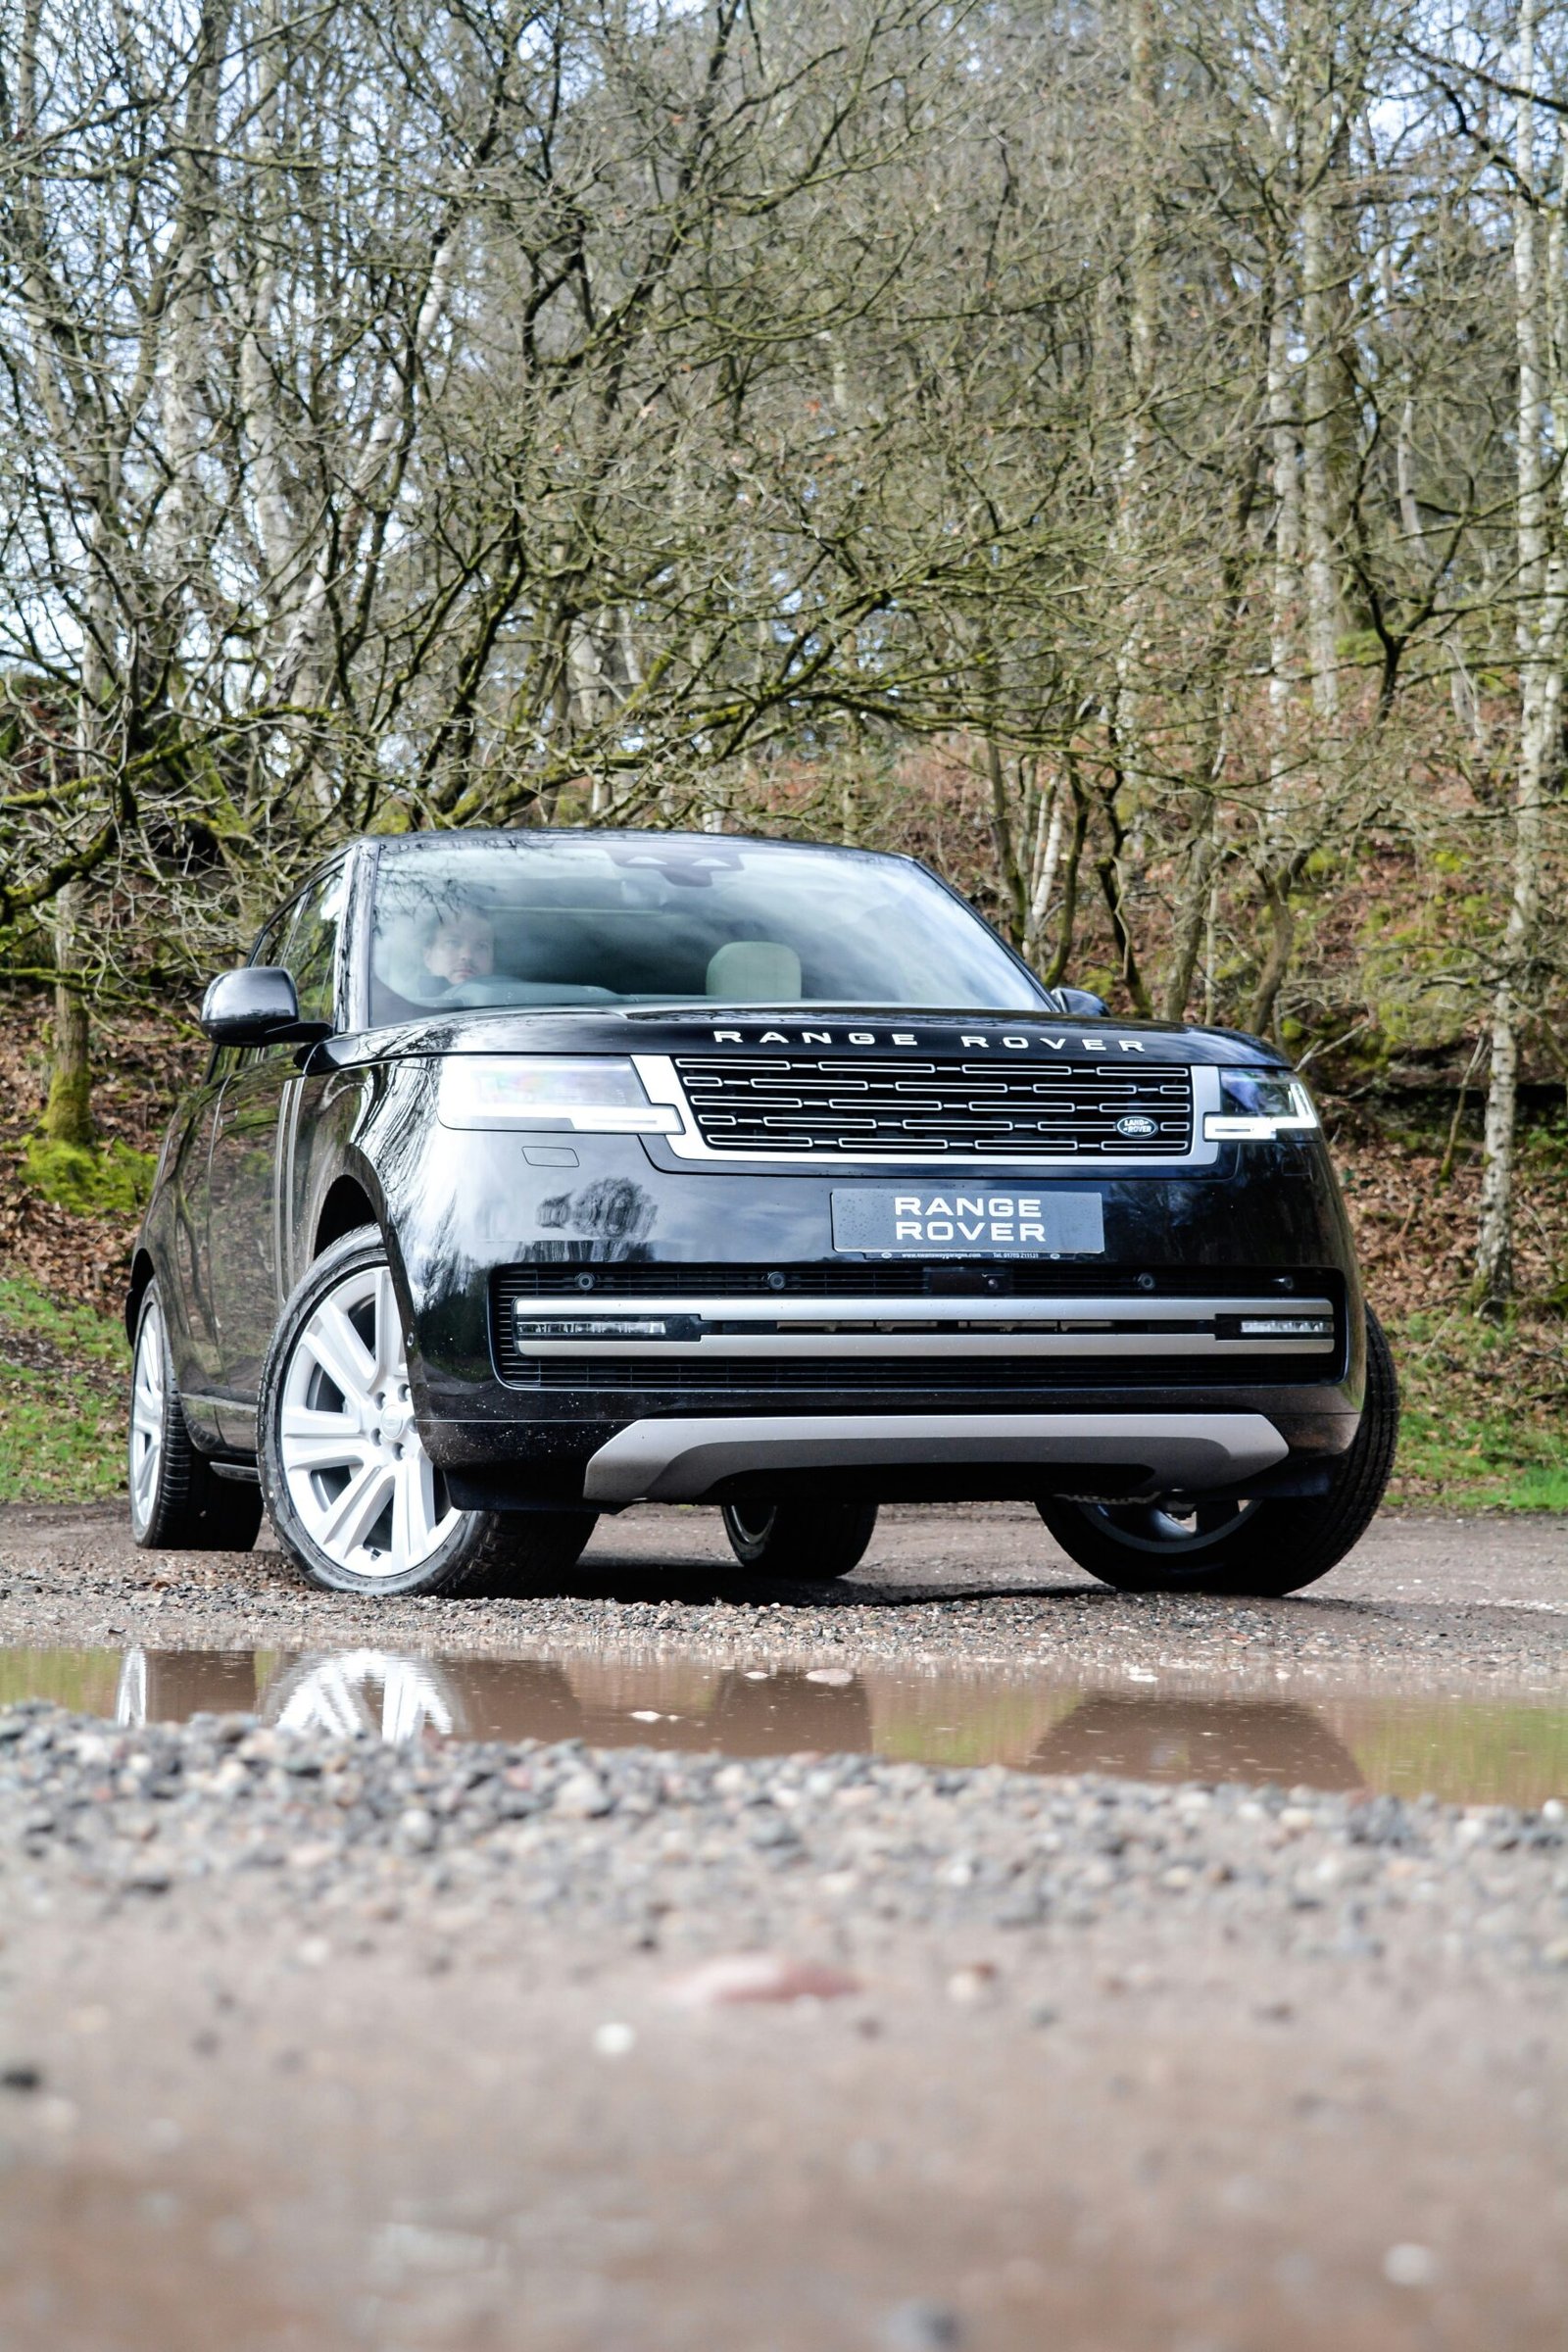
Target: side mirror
x,y
256,1007
1083,1003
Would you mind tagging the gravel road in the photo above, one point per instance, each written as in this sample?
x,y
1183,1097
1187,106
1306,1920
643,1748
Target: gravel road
x,y
321,2042
1424,1603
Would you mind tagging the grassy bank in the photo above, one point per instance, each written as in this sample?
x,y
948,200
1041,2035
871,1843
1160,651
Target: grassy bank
x,y
62,1404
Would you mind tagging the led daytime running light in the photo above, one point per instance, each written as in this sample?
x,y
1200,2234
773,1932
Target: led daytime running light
x,y
1268,1103
590,1096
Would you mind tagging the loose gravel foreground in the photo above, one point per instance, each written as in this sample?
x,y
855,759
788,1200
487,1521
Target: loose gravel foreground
x,y
317,2042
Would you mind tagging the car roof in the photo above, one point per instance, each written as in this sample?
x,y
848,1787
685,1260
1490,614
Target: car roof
x,y
540,834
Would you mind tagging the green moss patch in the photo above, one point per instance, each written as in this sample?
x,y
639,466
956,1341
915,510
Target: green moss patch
x,y
112,1182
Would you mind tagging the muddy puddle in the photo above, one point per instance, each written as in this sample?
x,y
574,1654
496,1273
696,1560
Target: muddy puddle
x,y
1483,1751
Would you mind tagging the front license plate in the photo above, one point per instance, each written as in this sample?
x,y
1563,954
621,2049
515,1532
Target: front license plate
x,y
969,1223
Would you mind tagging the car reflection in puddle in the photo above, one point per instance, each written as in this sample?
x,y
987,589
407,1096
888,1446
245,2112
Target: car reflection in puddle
x,y
1143,1739
1487,1751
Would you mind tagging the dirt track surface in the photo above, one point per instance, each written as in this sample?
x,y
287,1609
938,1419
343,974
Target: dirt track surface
x,y
316,2043
1424,1603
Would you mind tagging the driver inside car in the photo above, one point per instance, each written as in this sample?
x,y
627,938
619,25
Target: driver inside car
x,y
462,947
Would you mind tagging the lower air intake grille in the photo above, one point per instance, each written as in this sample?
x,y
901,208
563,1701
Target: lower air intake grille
x,y
878,1107
960,1382
569,1277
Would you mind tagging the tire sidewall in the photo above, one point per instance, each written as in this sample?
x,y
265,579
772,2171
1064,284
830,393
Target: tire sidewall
x,y
752,1550
833,1538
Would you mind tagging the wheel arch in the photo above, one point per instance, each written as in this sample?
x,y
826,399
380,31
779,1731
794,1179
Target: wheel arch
x,y
142,1271
345,1207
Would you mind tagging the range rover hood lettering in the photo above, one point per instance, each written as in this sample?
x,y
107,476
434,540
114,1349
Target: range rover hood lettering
x,y
893,1032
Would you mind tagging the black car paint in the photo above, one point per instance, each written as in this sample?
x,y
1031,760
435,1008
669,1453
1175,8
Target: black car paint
x,y
278,1149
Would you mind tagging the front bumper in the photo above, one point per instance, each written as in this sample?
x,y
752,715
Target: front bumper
x,y
1078,1375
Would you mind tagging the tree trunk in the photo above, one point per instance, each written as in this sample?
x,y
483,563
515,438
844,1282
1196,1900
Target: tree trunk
x,y
1009,874
1192,910
1538,633
1053,972
1276,959
1048,828
1109,870
1191,916
67,1113
1285,458
1128,715
1317,441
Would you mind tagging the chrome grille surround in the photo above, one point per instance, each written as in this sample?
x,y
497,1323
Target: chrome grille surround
x,y
840,1110
919,1339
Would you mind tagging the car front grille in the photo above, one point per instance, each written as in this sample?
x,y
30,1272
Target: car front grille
x,y
962,1110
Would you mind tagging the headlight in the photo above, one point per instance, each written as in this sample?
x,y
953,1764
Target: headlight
x,y
1258,1107
549,1090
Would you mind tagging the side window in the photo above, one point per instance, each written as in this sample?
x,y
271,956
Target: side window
x,y
309,954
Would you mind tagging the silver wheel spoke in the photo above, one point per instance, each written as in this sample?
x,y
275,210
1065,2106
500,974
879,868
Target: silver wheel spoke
x,y
341,1354
316,1441
350,1518
350,1452
389,1350
413,1513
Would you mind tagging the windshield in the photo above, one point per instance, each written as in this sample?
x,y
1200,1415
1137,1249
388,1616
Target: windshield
x,y
539,918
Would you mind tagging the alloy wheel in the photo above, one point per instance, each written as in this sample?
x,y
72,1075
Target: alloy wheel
x,y
374,1690
357,1473
1175,1533
752,1521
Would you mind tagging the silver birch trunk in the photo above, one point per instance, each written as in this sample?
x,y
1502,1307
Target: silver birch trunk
x,y
1538,629
1130,530
1047,864
1318,446
1285,583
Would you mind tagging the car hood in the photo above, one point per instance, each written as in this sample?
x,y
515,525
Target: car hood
x,y
711,1030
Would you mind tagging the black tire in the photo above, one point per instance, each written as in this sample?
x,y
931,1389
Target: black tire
x,y
1264,1547
808,1540
178,1502
469,1551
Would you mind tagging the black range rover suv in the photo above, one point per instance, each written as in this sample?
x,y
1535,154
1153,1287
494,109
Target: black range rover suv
x,y
534,1174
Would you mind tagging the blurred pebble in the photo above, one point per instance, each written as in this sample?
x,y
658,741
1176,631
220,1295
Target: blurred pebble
x,y
757,1977
921,2328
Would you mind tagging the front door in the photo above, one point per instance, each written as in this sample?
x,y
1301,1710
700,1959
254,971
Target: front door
x,y
242,1214
189,1315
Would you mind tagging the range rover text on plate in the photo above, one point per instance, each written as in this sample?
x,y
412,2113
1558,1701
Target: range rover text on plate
x,y
536,1174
